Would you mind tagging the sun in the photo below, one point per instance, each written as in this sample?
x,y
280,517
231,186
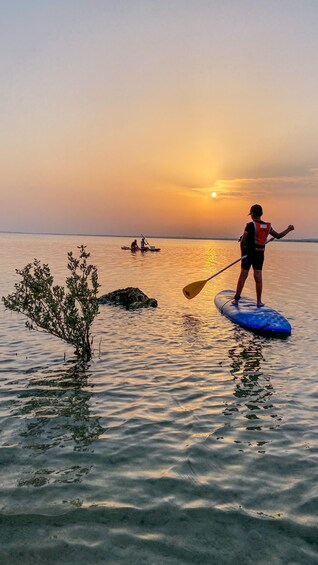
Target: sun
x,y
213,194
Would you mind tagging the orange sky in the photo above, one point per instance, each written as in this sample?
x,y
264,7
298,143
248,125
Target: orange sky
x,y
121,118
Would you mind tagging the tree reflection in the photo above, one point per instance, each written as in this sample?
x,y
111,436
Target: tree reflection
x,y
56,411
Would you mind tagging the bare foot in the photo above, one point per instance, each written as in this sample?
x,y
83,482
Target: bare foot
x,y
260,304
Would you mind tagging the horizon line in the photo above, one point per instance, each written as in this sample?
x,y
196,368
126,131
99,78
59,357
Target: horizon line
x,y
298,240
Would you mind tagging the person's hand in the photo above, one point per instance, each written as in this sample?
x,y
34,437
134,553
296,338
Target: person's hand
x,y
291,227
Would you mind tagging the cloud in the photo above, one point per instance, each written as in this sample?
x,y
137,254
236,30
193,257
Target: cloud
x,y
304,185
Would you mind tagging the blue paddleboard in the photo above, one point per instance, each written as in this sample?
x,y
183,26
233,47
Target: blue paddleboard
x,y
263,320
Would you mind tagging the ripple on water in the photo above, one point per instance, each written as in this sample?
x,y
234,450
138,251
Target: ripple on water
x,y
127,534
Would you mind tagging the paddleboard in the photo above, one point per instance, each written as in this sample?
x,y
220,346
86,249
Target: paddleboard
x,y
262,320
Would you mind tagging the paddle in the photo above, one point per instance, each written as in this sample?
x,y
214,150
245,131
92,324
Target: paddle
x,y
147,243
192,289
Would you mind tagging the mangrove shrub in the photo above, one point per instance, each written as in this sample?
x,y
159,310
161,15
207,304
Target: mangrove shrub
x,y
65,312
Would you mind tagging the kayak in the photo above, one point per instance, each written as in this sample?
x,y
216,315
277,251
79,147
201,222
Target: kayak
x,y
152,248
264,320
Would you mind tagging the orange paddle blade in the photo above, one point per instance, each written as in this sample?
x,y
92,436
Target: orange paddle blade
x,y
192,289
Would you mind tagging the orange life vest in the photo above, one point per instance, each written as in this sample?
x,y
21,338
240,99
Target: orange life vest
x,y
261,232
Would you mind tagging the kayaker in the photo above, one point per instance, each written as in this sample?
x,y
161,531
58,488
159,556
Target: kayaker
x,y
143,245
134,245
252,244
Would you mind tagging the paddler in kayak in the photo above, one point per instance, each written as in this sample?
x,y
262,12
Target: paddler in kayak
x,y
134,246
253,243
143,245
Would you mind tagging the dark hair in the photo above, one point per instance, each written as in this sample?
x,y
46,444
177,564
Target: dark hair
x,y
256,210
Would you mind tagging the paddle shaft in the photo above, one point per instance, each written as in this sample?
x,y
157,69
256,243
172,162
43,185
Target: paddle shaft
x,y
225,268
146,242
191,290
231,264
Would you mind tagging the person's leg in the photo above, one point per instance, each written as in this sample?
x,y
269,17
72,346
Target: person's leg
x,y
259,286
240,284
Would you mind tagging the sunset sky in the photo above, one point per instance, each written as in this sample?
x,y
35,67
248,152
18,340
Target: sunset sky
x,y
123,116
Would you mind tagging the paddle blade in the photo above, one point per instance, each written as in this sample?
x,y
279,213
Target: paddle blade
x,y
192,289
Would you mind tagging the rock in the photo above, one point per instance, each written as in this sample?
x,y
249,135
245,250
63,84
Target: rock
x,y
131,298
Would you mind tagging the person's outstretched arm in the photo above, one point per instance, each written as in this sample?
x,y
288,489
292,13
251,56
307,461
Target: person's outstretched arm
x,y
282,233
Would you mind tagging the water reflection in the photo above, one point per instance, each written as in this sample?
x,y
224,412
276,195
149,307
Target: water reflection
x,y
56,411
192,326
196,338
253,392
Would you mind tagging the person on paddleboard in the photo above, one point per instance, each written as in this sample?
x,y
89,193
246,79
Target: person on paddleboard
x,y
253,243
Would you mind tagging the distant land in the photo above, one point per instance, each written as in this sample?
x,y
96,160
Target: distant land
x,y
133,236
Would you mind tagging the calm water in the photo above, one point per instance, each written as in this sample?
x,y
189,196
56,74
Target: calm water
x,y
186,439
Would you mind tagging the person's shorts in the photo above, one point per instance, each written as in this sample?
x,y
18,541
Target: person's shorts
x,y
255,259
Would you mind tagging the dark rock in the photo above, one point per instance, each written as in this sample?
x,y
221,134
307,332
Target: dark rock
x,y
131,298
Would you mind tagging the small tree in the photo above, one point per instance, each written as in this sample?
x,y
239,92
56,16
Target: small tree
x,y
67,314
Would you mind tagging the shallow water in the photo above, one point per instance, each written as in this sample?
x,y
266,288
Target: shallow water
x,y
186,439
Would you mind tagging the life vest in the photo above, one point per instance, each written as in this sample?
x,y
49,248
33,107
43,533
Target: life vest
x,y
261,232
